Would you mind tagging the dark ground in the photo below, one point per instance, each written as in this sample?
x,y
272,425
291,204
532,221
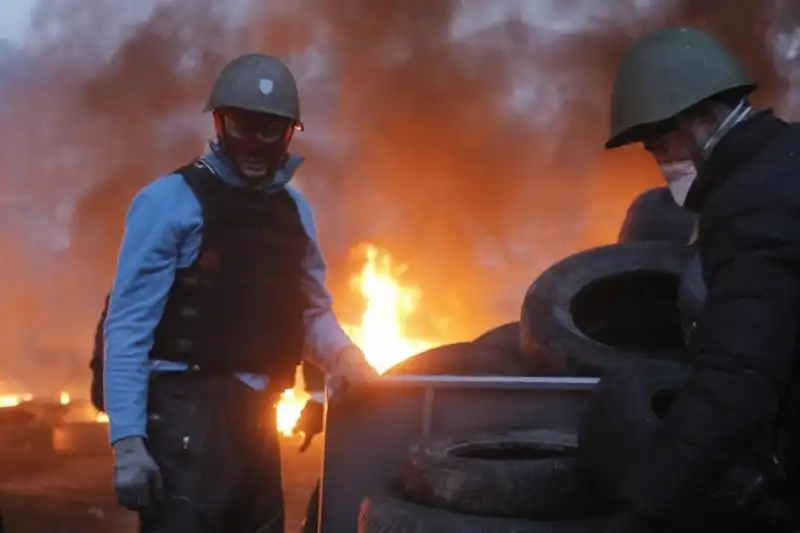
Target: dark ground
x,y
74,494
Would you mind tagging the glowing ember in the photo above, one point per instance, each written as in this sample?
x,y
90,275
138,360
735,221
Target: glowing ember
x,y
381,333
64,398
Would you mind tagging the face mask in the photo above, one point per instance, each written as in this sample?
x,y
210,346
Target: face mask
x,y
256,143
679,176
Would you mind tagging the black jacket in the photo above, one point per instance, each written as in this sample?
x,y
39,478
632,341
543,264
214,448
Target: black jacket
x,y
745,345
654,216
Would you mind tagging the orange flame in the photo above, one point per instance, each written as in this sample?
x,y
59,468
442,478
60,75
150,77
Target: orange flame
x,y
381,333
12,400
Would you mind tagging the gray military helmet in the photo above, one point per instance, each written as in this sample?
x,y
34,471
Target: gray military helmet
x,y
667,72
257,82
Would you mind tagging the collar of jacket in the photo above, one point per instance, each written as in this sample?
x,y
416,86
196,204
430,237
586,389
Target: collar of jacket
x,y
223,167
741,142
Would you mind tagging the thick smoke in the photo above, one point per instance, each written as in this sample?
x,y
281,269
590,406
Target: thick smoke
x,y
463,138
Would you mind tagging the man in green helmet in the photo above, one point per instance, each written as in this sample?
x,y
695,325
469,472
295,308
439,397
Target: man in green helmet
x,y
684,97
220,284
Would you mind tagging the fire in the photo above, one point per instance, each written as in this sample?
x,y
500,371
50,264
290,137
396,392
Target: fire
x,y
381,332
12,400
64,398
291,404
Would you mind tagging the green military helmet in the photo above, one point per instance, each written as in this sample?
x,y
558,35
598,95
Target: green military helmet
x,y
667,72
257,82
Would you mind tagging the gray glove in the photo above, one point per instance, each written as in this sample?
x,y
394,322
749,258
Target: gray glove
x,y
137,478
311,422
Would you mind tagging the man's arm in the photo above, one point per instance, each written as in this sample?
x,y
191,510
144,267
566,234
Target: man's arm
x,y
325,338
145,272
744,347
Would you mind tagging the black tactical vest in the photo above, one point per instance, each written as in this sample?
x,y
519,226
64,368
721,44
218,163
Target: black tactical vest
x,y
239,307
96,362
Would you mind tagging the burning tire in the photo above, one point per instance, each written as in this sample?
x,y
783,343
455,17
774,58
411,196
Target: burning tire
x,y
531,474
17,417
505,337
24,436
387,513
82,438
691,294
462,359
654,216
606,307
626,412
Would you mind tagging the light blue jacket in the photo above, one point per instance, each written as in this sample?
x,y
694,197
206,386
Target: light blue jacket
x,y
163,232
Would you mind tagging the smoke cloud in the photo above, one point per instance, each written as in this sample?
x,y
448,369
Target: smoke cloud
x,y
463,137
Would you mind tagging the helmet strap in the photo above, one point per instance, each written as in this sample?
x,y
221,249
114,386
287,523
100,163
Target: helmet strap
x,y
703,138
741,112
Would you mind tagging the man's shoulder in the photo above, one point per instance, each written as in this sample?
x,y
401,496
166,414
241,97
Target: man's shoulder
x,y
656,195
167,197
303,206
762,200
165,187
304,210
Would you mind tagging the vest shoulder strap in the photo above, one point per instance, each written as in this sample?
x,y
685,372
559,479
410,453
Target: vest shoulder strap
x,y
202,181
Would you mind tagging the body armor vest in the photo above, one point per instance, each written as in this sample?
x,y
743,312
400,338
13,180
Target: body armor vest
x,y
239,307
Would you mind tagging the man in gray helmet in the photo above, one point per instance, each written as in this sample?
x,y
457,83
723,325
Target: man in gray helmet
x,y
684,97
220,284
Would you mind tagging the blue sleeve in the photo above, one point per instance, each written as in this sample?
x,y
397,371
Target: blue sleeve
x,y
325,337
145,272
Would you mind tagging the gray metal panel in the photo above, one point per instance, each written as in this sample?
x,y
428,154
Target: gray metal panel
x,y
367,436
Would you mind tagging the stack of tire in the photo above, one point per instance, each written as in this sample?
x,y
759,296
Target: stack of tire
x,y
624,313
601,310
608,308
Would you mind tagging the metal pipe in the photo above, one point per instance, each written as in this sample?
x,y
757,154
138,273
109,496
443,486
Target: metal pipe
x,y
487,382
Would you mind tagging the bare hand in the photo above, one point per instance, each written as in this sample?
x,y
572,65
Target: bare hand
x,y
351,366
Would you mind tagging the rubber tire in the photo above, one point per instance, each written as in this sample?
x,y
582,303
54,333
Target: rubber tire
x,y
654,216
505,336
620,418
386,513
624,415
552,486
692,293
626,291
462,359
